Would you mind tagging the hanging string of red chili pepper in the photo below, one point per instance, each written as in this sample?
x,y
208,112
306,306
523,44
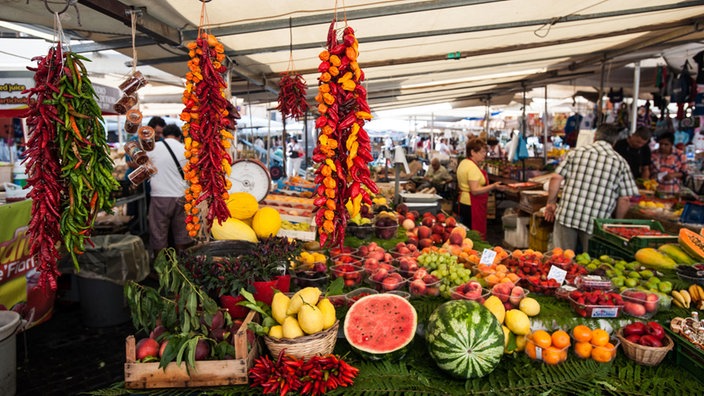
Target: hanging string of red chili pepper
x,y
42,164
206,137
292,88
68,160
344,150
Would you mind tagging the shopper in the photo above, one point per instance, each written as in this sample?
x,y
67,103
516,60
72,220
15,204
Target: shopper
x,y
166,212
669,165
436,176
158,124
294,152
473,185
495,150
635,149
597,184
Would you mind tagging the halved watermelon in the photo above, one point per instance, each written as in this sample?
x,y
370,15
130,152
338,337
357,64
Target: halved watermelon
x,y
465,339
381,326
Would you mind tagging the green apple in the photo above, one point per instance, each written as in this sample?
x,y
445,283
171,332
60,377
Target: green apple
x,y
618,281
591,267
631,282
665,287
645,274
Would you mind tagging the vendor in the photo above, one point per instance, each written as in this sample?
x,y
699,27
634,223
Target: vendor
x,y
669,164
635,149
436,176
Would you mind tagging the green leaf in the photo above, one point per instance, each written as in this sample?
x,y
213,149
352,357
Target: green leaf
x,y
336,287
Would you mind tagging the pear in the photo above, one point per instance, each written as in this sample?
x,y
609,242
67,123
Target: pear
x,y
276,331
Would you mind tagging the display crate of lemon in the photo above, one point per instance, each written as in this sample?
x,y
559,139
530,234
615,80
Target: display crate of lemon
x,y
297,227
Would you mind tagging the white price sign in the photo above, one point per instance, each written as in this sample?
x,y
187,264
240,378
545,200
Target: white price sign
x,y
557,273
488,256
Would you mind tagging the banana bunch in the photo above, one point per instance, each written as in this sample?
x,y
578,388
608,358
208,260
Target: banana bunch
x,y
691,297
650,184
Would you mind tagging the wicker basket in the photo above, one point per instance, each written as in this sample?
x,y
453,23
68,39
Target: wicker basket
x,y
645,355
321,343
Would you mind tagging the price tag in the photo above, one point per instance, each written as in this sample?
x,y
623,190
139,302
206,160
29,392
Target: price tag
x,y
557,273
488,256
605,312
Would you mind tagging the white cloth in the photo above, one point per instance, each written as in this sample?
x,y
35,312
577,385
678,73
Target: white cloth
x,y
167,182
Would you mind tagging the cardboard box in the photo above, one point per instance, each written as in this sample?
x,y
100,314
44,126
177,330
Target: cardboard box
x,y
205,373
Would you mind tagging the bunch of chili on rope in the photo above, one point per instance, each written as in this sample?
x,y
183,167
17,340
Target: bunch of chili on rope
x,y
292,88
208,116
67,159
343,150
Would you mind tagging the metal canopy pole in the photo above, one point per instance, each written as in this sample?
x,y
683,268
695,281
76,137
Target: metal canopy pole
x,y
636,89
545,127
600,102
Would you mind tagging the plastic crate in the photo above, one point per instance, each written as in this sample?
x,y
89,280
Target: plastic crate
x,y
692,213
599,247
632,245
687,355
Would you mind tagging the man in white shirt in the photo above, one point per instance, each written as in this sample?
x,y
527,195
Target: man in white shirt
x,y
166,212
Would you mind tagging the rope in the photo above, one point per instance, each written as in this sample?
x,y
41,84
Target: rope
x,y
133,17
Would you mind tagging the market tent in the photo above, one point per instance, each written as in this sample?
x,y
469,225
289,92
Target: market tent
x,y
413,52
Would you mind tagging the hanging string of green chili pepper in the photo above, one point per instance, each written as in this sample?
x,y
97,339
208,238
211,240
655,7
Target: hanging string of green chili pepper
x,y
86,166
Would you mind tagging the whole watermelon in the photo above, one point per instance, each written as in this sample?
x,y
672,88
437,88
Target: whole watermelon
x,y
465,339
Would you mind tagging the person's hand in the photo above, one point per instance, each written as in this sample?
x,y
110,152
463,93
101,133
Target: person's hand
x,y
550,212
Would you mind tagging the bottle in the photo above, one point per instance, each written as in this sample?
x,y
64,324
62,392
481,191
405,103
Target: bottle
x,y
135,152
146,137
133,121
141,174
125,103
133,83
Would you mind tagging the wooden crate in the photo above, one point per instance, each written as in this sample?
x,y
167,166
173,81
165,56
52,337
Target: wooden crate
x,y
205,373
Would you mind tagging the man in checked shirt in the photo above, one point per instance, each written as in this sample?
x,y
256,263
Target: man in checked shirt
x,y
597,184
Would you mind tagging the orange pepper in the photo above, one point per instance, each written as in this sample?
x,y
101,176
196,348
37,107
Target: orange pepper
x,y
324,55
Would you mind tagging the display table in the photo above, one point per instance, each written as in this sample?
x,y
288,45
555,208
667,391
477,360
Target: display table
x,y
417,374
141,200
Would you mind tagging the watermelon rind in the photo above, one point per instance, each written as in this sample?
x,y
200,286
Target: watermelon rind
x,y
465,339
380,326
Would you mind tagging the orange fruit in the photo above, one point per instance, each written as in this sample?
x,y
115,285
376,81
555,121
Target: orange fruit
x,y
557,251
569,253
518,253
530,349
603,354
582,333
491,280
552,355
600,337
583,349
560,339
542,339
501,268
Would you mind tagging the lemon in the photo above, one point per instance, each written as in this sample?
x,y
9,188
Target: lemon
x,y
310,319
496,307
279,305
520,343
291,328
328,311
517,322
529,306
309,295
276,331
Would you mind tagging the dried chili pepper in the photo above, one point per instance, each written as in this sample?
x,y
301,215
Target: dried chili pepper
x,y
292,95
208,116
343,148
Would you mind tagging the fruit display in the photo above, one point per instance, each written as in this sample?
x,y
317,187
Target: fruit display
x,y
550,348
350,273
509,294
445,266
421,283
594,344
640,303
353,296
374,257
649,334
380,326
304,313
465,339
692,297
628,232
384,280
596,303
471,290
654,259
495,273
385,225
624,275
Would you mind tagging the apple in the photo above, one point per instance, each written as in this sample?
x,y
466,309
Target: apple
x,y
655,329
649,340
633,308
427,221
450,222
424,232
635,328
425,242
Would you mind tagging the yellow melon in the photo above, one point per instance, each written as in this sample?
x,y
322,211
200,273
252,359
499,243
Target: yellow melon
x,y
266,222
242,205
233,229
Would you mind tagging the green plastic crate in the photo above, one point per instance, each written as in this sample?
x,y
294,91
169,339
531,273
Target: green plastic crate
x,y
632,245
687,355
599,247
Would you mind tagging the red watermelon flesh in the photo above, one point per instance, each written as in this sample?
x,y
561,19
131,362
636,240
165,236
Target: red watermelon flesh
x,y
379,324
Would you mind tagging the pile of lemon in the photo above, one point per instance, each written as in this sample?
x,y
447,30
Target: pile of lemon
x,y
650,204
304,313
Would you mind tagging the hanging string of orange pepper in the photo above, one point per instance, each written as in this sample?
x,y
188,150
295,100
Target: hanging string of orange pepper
x,y
208,117
292,95
343,150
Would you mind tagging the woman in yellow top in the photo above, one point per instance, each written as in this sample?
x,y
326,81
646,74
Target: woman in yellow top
x,y
474,187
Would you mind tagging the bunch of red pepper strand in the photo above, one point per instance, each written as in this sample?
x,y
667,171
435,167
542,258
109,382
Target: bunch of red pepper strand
x,y
68,160
292,95
206,135
343,150
314,376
